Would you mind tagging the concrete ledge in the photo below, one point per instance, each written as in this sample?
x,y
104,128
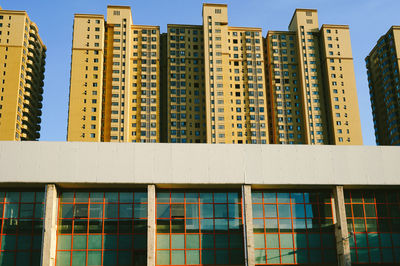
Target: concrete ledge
x,y
137,163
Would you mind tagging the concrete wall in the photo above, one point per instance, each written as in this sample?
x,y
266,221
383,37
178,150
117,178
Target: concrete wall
x,y
63,162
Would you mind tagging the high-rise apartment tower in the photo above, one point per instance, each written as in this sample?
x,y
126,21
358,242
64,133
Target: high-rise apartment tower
x,y
22,60
311,88
114,91
384,87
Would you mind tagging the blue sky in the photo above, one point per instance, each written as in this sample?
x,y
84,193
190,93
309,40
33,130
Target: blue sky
x,y
368,20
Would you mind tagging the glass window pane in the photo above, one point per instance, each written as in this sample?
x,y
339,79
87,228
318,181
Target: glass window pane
x,y
256,197
207,241
78,258
273,256
26,211
163,211
258,211
27,197
269,197
259,241
221,210
79,242
221,241
192,225
96,210
177,241
192,197
96,197
207,256
299,211
297,198
271,225
206,197
260,256
222,256
220,197
233,197
163,197
63,258
301,255
163,242
177,211
206,210
287,256
192,210
109,258
270,210
370,210
140,197
126,197
221,225
178,257
163,257
110,241
361,240
314,240
82,197
140,211
283,198
192,241
94,242
272,240
258,225
111,197
236,241
192,257
11,210
177,197
286,241
125,210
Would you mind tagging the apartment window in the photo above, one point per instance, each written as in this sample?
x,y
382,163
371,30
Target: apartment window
x,y
218,11
293,227
102,228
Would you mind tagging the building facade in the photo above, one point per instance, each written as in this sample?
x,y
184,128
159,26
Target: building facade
x,y
22,54
384,89
114,91
160,205
311,88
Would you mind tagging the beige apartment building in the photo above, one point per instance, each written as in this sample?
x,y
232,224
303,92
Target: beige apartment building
x,y
384,87
311,88
22,60
114,91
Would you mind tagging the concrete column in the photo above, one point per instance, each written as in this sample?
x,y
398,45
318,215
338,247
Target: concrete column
x,y
49,239
248,226
341,232
151,225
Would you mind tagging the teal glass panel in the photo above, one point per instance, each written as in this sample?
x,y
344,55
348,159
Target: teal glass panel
x,y
24,242
258,225
233,197
111,211
163,226
8,242
375,255
192,210
396,239
78,258
163,257
163,242
207,225
285,225
362,254
234,224
192,197
111,197
63,258
79,242
220,197
221,225
221,210
27,197
163,211
64,226
236,241
163,197
286,241
299,225
192,241
372,225
206,197
37,242
382,210
222,256
125,242
387,255
140,197
259,241
330,256
370,210
397,255
125,210
80,211
221,241
12,196
358,210
192,225
258,211
311,211
207,256
313,225
297,198
328,240
96,197
259,255
359,225
192,257
269,197
94,242
299,211
38,211
178,226
23,258
177,197
236,256
300,240
126,197
81,197
206,210
373,240
178,257
283,198
109,258
352,241
11,210
315,256
67,197
287,256
140,241
207,241
270,211
271,225
110,241
325,210
353,255
124,258
361,240
177,211
272,240
256,197
314,240
80,226
95,226
273,256
177,241
96,211
301,255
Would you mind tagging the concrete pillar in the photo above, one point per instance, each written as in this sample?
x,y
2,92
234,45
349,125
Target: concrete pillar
x,y
248,226
49,240
341,231
151,225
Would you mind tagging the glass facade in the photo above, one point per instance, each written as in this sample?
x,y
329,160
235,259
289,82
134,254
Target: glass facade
x,y
199,228
102,228
373,219
21,227
294,227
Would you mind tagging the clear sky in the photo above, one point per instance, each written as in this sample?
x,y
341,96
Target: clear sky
x,y
368,20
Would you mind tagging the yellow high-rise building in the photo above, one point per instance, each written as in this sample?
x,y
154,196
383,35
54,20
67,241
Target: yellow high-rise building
x,y
114,91
22,60
312,95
